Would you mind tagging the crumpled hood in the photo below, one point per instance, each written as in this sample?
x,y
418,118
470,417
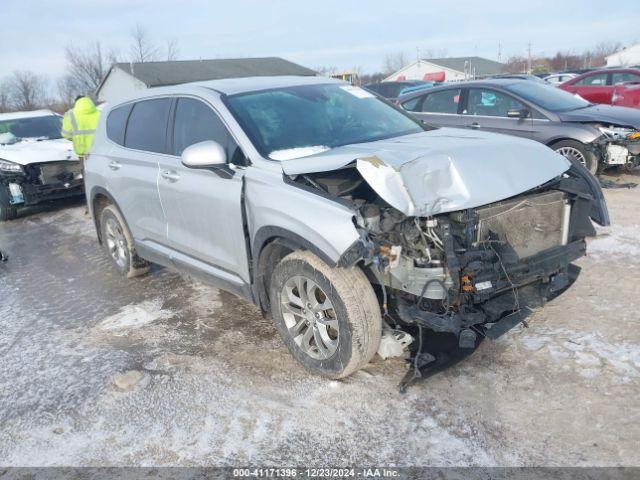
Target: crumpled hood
x,y
605,114
442,170
31,151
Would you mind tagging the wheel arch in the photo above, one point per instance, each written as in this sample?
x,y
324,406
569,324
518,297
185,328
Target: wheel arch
x,y
270,245
98,200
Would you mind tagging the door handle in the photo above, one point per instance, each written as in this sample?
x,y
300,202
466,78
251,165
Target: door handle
x,y
113,165
170,175
474,125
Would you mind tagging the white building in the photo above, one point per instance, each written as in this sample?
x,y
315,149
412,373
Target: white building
x,y
126,78
447,69
625,57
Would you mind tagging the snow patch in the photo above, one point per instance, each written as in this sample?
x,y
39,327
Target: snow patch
x,y
618,240
136,316
591,353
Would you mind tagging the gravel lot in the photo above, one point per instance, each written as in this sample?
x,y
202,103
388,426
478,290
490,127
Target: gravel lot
x,y
100,371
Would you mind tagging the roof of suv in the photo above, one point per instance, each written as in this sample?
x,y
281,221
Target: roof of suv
x,y
232,86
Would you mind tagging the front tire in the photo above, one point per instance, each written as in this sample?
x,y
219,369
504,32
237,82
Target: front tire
x,y
118,244
576,149
329,318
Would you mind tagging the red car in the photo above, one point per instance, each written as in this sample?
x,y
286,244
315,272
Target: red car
x,y
598,86
626,95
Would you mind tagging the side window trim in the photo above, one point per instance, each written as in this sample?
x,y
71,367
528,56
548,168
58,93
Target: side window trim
x,y
464,100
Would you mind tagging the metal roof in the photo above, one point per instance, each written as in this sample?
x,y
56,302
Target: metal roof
x,y
156,74
482,66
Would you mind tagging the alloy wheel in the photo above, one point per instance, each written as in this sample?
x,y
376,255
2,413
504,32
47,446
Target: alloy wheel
x,y
116,243
310,317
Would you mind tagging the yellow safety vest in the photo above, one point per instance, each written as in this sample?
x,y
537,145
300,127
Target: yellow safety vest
x,y
79,125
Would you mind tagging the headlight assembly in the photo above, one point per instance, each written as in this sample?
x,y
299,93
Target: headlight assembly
x,y
7,166
616,133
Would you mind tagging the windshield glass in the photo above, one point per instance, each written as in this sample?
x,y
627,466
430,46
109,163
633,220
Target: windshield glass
x,y
297,121
547,96
34,127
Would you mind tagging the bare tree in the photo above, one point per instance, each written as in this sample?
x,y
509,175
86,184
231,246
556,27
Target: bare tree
x,y
142,48
172,50
5,97
27,91
86,68
394,62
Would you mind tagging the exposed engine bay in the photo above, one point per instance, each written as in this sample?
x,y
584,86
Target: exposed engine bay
x,y
617,146
452,279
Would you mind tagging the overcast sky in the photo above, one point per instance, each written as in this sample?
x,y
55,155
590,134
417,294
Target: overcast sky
x,y
339,33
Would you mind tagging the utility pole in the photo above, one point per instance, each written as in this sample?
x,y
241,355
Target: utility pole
x,y
499,52
529,58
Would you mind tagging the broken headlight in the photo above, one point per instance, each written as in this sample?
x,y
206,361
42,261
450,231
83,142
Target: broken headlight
x,y
615,133
7,166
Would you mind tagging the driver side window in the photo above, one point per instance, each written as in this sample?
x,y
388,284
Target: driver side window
x,y
491,103
197,122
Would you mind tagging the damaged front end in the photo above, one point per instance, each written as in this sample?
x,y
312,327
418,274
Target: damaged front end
x,y
617,146
22,185
452,278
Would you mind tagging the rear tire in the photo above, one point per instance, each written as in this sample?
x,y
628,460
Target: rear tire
x,y
118,244
331,323
579,151
7,212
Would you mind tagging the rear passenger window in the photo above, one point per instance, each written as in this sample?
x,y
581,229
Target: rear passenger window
x,y
597,80
445,101
147,126
116,123
197,122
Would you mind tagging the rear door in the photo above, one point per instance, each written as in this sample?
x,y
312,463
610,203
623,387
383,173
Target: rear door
x,y
440,107
486,109
132,166
203,207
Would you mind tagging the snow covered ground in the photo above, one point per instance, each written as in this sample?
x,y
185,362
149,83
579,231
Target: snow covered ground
x,y
161,370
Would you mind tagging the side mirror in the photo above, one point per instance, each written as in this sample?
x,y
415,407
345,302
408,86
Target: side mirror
x,y
518,113
205,154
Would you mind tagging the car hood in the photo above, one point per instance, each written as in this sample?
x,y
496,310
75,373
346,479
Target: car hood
x,y
36,151
442,170
606,114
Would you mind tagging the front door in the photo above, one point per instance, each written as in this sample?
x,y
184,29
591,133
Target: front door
x,y
486,109
203,207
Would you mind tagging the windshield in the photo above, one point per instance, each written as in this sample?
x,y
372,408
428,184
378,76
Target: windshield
x,y
303,120
34,127
547,96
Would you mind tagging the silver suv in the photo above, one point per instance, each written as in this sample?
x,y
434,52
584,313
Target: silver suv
x,y
339,214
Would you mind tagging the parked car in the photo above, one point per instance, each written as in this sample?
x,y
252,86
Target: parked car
x,y
556,79
597,86
392,90
626,95
36,163
596,135
329,207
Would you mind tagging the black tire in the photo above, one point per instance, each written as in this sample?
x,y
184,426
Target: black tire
x,y
121,253
590,160
354,306
7,212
